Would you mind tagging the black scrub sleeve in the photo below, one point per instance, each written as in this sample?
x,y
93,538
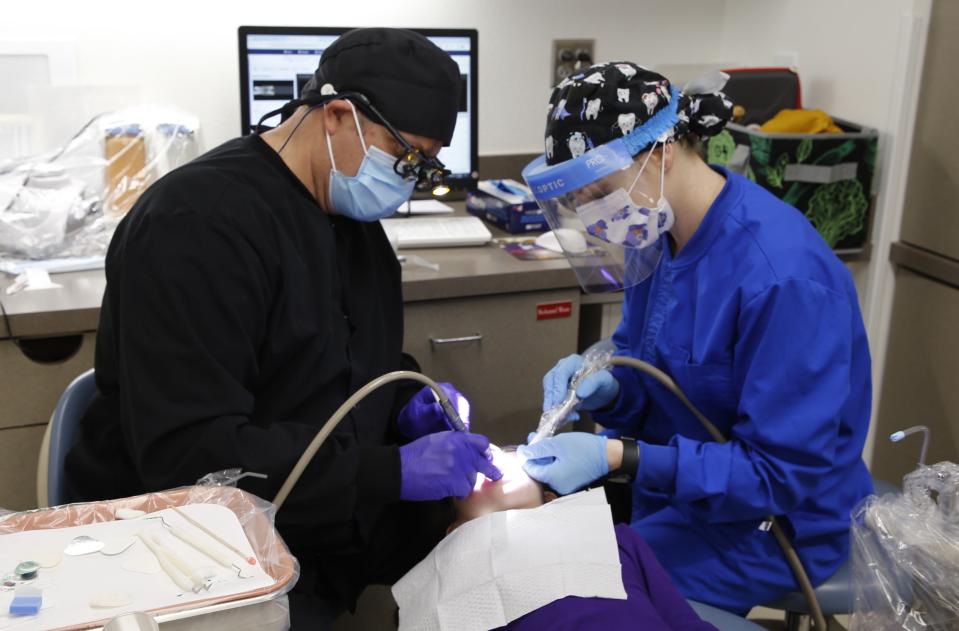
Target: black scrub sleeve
x,y
404,393
194,298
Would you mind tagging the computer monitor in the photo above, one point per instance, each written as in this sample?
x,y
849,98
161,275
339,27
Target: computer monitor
x,y
277,61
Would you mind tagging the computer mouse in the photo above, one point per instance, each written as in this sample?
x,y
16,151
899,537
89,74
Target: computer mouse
x,y
562,239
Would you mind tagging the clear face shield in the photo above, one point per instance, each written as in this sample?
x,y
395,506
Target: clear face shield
x,y
602,198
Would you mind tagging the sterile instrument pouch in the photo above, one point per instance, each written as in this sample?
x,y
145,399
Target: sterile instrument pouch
x,y
499,567
905,554
595,358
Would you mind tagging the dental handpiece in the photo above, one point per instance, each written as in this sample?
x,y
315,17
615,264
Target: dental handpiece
x,y
455,421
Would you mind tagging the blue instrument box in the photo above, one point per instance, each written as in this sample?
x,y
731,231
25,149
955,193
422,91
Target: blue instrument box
x,y
507,204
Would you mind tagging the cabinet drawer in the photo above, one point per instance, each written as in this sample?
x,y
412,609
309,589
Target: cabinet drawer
x,y
30,389
496,351
19,452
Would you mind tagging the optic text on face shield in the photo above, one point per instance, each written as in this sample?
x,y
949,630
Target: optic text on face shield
x,y
550,186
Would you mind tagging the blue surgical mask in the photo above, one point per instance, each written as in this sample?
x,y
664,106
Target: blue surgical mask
x,y
375,192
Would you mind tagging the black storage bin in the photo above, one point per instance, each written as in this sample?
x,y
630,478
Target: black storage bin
x,y
829,177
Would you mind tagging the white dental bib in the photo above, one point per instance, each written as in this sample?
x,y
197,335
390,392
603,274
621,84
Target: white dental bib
x,y
497,568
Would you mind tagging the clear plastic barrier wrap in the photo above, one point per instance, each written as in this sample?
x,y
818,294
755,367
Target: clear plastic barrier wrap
x,y
595,358
905,554
263,608
67,203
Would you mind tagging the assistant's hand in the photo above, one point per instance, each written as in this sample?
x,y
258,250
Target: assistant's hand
x,y
424,415
595,391
444,464
566,462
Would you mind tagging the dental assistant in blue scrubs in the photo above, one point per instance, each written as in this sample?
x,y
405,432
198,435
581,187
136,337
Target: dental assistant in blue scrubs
x,y
733,294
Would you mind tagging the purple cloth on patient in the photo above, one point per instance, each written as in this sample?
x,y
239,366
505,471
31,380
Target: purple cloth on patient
x,y
652,602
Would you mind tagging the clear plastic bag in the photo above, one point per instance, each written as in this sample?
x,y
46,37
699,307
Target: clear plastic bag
x,y
268,608
67,203
905,554
595,358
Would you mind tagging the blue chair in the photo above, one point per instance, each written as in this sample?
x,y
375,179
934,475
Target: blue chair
x,y
723,620
60,436
834,594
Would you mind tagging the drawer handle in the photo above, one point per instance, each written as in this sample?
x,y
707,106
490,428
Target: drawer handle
x,y
436,341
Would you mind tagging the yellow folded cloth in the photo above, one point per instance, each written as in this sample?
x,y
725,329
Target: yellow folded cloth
x,y
800,122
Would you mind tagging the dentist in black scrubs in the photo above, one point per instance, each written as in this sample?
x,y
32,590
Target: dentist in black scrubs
x,y
250,292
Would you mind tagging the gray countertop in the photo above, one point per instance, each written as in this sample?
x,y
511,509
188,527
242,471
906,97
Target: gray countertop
x,y
473,271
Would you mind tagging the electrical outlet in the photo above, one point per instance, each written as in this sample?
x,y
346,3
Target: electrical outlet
x,y
569,57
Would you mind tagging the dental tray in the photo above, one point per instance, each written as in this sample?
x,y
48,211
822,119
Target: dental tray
x,y
71,586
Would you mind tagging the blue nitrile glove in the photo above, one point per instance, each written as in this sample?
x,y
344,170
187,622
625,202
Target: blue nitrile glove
x,y
444,464
595,391
424,415
566,462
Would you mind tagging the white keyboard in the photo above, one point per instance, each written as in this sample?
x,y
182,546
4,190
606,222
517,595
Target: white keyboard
x,y
437,232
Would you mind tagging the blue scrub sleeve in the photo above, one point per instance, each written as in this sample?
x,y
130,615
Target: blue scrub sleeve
x,y
630,404
792,370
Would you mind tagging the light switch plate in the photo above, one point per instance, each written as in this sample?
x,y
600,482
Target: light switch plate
x,y
569,57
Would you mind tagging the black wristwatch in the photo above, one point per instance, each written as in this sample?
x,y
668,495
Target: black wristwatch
x,y
630,465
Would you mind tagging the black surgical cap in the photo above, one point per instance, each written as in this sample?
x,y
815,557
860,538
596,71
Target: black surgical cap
x,y
405,76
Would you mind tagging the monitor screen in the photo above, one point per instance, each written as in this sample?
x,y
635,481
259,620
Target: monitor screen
x,y
276,62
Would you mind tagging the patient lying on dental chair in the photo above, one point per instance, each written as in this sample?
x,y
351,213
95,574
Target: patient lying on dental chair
x,y
518,558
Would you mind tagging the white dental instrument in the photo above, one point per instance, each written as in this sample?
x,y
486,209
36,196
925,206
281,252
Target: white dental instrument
x,y
182,580
201,546
249,559
160,549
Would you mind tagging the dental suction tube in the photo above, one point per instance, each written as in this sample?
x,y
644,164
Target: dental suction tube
x,y
348,405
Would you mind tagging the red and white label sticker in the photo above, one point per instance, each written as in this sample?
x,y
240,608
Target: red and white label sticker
x,y
550,310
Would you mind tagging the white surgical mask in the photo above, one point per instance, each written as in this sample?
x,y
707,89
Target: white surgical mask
x,y
618,219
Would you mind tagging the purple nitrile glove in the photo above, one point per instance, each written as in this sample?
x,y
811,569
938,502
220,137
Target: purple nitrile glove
x,y
444,464
424,415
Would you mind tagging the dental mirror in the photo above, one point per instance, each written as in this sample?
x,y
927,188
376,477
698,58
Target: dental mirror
x,y
83,545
